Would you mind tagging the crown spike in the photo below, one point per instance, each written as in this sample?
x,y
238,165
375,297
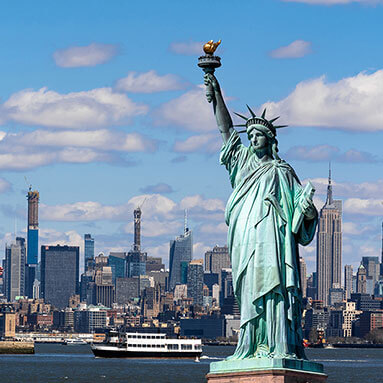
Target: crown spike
x,y
241,115
251,112
264,113
274,119
240,125
280,126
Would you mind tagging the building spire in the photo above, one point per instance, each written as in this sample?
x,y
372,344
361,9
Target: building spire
x,y
329,200
186,229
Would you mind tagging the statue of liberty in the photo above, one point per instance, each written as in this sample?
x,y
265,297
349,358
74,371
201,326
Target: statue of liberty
x,y
268,213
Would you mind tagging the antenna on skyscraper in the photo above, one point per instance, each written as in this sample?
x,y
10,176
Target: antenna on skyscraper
x,y
329,186
185,221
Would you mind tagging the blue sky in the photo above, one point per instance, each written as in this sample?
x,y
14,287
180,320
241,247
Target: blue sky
x,y
101,107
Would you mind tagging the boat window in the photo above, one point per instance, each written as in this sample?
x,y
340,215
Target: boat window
x,y
173,347
186,346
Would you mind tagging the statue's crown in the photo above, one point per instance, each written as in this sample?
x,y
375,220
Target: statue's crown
x,y
259,120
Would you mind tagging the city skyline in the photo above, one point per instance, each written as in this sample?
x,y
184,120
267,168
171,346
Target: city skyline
x,y
99,122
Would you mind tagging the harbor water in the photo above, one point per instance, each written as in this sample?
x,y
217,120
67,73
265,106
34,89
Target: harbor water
x,y
54,363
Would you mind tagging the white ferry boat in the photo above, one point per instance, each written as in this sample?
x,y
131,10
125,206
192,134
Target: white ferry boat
x,y
143,345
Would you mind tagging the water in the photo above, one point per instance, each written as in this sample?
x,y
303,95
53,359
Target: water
x,y
54,363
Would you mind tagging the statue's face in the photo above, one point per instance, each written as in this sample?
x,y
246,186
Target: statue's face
x,y
258,140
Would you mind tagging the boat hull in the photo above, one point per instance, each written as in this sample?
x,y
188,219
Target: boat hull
x,y
122,353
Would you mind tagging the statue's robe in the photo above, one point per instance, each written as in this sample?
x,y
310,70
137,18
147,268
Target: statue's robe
x,y
264,251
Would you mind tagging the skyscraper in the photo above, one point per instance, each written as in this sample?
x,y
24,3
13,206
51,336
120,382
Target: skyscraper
x,y
32,241
181,250
303,272
136,259
88,250
195,281
33,227
361,280
217,259
329,246
15,269
59,274
348,273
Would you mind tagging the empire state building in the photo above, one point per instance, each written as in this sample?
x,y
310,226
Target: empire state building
x,y
329,246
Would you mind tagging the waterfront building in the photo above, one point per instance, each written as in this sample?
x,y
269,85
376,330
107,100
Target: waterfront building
x,y
348,274
150,302
195,281
88,251
350,314
206,327
91,319
7,321
15,257
335,324
59,274
104,294
368,321
329,246
316,318
217,259
361,280
215,294
303,275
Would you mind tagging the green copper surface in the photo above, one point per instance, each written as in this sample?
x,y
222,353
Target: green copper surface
x,y
268,214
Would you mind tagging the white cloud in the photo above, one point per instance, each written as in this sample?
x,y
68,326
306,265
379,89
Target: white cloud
x,y
190,48
160,188
368,207
207,143
353,103
4,185
87,110
297,49
355,229
106,140
149,82
190,110
334,2
349,189
85,56
23,150
326,153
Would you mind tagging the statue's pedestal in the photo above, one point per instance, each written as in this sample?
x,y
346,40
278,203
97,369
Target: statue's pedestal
x,y
266,371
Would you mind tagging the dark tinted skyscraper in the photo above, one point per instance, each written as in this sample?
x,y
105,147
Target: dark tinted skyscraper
x,y
181,250
195,281
33,227
88,249
59,274
329,246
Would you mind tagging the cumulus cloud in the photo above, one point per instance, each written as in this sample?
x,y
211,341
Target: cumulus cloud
x,y
85,110
360,206
4,185
296,49
190,111
149,82
190,48
334,2
160,188
111,140
349,189
160,215
19,151
207,143
85,56
352,103
318,153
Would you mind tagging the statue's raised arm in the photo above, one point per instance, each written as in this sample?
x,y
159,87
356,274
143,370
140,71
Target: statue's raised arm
x,y
214,95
